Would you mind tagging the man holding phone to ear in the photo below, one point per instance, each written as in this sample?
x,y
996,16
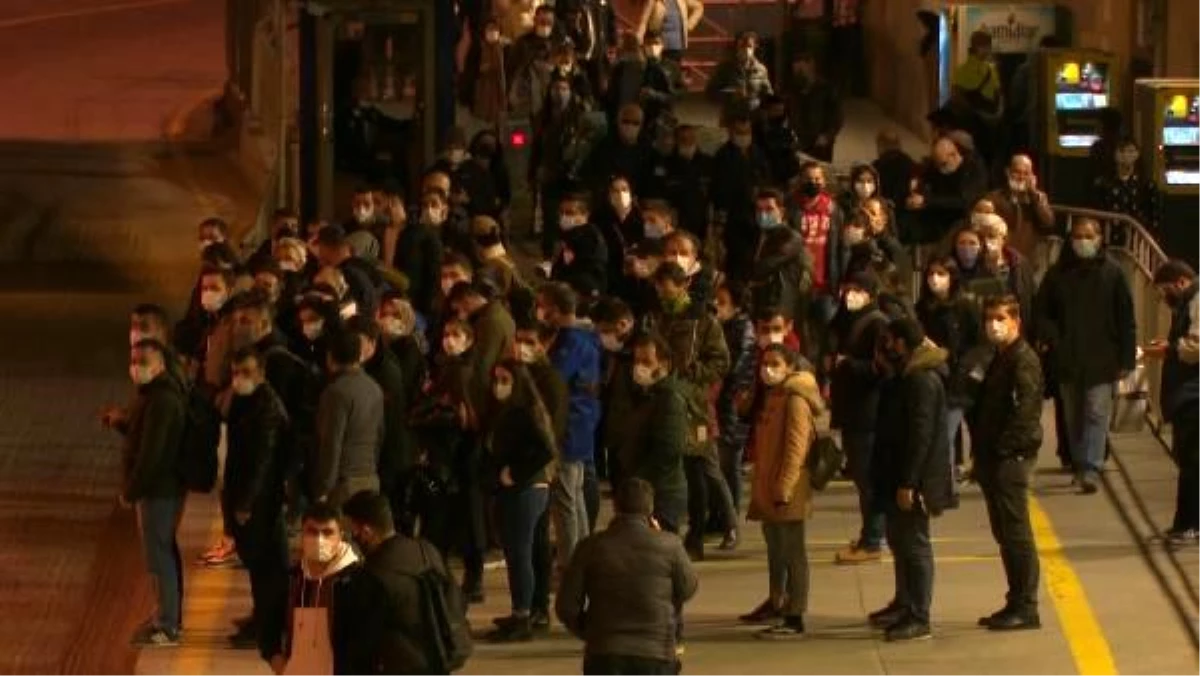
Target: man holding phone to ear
x,y
1180,352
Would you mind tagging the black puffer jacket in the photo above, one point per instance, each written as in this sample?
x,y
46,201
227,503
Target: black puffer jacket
x,y
1008,416
393,565
912,449
257,429
953,323
153,437
854,389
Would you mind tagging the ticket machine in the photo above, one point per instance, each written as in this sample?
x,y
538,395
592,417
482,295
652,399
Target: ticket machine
x,y
1074,87
1167,124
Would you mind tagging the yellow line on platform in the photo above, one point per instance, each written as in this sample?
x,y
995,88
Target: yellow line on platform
x,y
1089,646
89,11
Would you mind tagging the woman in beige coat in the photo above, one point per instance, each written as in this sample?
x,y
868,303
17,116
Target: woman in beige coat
x,y
780,494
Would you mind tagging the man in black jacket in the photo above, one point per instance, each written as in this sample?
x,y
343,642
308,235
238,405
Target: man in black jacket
x,y
911,473
253,490
1085,314
582,259
418,252
1005,440
150,462
333,250
394,561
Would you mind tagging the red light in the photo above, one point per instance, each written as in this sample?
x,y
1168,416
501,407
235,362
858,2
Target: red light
x,y
517,139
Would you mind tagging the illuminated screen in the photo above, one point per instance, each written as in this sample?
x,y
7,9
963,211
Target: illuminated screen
x,y
1181,140
1081,86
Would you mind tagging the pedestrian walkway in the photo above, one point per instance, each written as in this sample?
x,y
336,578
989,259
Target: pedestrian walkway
x,y
1103,611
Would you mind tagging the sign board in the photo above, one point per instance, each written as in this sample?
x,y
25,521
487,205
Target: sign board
x,y
1015,28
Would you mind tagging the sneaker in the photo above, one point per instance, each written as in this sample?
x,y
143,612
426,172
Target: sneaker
x,y
790,627
1014,620
730,541
539,620
1087,486
156,637
765,612
885,617
986,620
908,630
221,555
515,630
856,554
1179,537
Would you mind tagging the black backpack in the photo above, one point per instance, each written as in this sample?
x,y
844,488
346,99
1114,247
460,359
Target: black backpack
x,y
201,436
825,460
444,616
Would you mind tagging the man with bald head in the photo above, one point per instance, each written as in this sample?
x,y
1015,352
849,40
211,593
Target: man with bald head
x,y
1026,209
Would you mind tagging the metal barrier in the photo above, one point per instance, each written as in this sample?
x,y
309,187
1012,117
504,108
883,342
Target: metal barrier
x,y
1139,256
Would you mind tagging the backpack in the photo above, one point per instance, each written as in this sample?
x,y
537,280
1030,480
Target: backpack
x,y
824,461
444,617
201,436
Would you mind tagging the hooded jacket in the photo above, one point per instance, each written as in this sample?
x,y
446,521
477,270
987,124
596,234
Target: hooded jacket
x,y
351,596
783,434
911,446
576,356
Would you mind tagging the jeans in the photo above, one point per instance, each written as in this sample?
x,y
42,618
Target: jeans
x,y
859,446
912,554
701,470
1184,445
954,420
1088,412
622,664
731,467
787,566
1005,485
569,508
521,508
158,518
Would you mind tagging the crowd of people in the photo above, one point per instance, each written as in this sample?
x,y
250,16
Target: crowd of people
x,y
399,390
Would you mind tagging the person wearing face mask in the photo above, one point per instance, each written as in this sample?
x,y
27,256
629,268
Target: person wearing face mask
x,y
732,301
1125,188
399,331
780,494
253,486
779,267
688,175
481,89
555,155
854,396
478,302
815,109
621,224
316,318
911,478
952,320
637,78
331,619
1009,271
285,223
523,444
625,152
819,220
1026,209
451,223
153,431
575,353
487,152
671,21
582,259
468,177
418,255
350,425
951,180
741,170
700,359
683,249
528,43
216,297
740,81
361,278
1006,436
615,323
1085,316
1179,391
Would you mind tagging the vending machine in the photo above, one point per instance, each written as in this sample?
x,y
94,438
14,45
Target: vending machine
x,y
1074,87
1167,124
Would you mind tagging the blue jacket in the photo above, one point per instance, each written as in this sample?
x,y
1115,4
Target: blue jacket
x,y
576,356
743,357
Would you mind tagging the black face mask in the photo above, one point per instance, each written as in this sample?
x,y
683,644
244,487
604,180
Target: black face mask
x,y
485,241
810,188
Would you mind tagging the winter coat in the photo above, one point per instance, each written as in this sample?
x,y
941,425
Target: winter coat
x,y
955,324
854,386
418,256
394,565
1007,418
947,198
398,451
1029,221
742,375
349,431
153,437
912,449
576,356
494,332
582,264
656,437
783,434
257,427
779,269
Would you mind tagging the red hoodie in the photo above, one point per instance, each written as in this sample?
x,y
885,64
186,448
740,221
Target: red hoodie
x,y
814,219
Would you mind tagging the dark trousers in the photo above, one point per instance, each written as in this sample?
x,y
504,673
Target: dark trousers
x,y
1005,486
703,471
787,566
543,562
912,554
158,519
621,664
1184,443
521,509
731,467
551,193
859,447
263,547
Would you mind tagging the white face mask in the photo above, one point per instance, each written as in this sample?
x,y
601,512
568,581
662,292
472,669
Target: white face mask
x,y
997,332
684,262
864,189
978,220
611,342
140,375
244,387
621,199
456,156
348,310
773,338
312,330
364,215
644,375
856,300
318,549
653,230
447,285
543,31
288,265
939,283
435,216
391,327
526,353
570,222
502,391
773,375
212,301
454,346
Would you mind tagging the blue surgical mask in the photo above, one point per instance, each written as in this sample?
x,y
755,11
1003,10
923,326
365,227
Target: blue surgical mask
x,y
767,220
1086,248
968,254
